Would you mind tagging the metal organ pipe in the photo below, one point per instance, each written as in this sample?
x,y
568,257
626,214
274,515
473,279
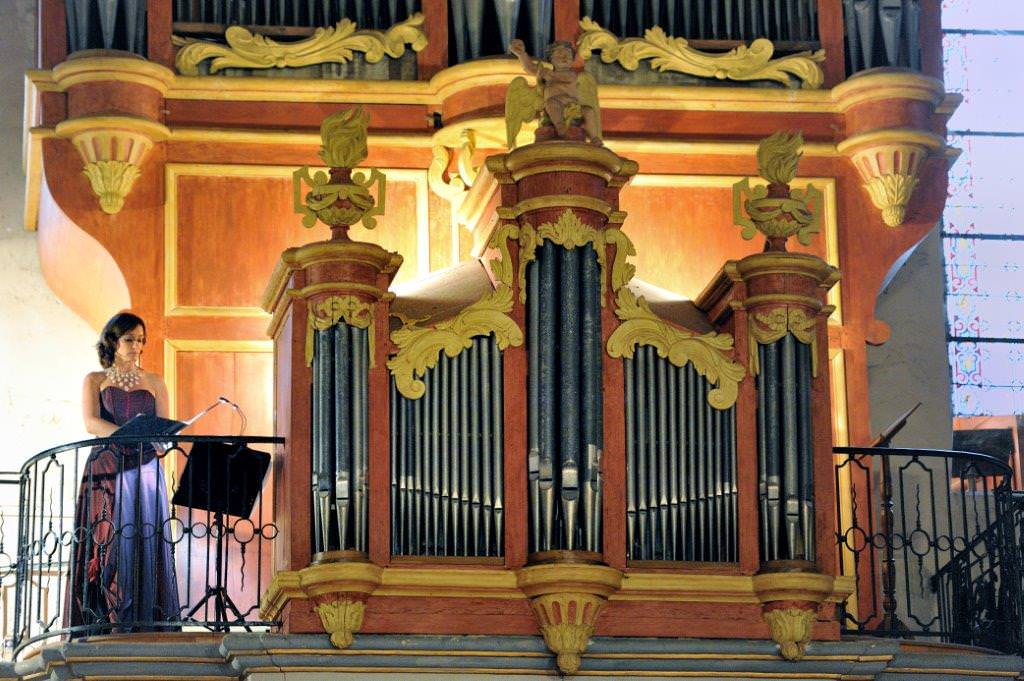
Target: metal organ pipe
x,y
680,463
450,451
565,424
785,450
339,438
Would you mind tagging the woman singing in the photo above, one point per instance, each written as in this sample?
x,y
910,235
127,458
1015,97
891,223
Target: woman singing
x,y
122,575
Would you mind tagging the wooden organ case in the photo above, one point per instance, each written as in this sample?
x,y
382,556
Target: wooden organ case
x,y
556,455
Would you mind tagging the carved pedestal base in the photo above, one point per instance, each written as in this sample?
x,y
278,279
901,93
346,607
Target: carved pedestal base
x,y
567,599
339,589
341,617
790,597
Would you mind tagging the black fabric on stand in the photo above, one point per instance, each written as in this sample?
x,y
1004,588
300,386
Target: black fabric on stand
x,y
221,477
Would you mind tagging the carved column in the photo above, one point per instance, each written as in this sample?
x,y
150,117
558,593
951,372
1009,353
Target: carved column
x,y
330,305
780,298
559,240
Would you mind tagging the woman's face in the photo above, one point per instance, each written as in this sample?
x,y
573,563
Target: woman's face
x,y
129,346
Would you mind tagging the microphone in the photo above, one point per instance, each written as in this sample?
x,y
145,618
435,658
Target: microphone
x,y
241,414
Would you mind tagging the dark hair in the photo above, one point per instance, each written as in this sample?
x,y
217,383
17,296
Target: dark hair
x,y
119,325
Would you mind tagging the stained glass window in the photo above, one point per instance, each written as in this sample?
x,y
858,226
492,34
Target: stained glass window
x,y
983,234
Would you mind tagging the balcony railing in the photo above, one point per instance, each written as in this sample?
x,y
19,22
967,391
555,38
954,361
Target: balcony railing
x,y
101,549
856,34
931,536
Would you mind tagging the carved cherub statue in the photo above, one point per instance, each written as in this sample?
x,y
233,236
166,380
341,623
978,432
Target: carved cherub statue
x,y
565,100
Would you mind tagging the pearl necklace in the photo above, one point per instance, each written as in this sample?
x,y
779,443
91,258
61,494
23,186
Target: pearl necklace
x,y
125,380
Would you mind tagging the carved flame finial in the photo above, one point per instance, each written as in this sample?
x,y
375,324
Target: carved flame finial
x,y
778,156
341,198
777,211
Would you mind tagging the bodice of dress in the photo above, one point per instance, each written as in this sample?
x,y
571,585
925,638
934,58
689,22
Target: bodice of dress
x,y
119,406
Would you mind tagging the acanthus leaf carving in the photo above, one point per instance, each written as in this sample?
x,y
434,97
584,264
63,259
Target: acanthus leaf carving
x,y
335,44
708,352
419,348
667,53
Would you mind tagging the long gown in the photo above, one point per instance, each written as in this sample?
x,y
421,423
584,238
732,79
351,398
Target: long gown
x,y
122,574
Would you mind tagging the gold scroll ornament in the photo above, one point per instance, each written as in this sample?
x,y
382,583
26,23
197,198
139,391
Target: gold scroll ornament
x,y
570,232
667,53
326,313
708,352
333,45
419,348
769,327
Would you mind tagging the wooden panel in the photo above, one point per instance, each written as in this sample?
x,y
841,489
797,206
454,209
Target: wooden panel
x,y
197,373
682,229
216,212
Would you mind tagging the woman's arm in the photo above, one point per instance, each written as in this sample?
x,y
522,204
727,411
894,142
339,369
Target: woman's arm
x,y
94,424
162,401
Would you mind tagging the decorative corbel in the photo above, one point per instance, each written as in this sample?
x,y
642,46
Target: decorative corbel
x,y
338,589
888,161
567,599
790,598
112,148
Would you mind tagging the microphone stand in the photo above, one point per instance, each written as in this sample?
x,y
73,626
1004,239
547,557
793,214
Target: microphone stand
x,y
218,592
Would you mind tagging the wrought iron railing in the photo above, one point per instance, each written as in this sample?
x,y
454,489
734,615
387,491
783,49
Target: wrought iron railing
x,y
101,549
927,535
8,553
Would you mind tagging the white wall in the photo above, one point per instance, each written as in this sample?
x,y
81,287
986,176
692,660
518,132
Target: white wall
x,y
913,365
45,349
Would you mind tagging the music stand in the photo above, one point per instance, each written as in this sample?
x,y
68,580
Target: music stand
x,y
142,425
221,478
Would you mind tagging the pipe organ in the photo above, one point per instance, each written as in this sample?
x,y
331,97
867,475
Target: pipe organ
x,y
564,442
785,450
558,431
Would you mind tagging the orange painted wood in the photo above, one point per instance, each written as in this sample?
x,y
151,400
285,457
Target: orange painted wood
x,y
613,459
567,20
292,116
684,253
931,39
514,365
433,57
441,615
379,414
825,512
746,455
293,467
110,97
52,33
158,33
833,41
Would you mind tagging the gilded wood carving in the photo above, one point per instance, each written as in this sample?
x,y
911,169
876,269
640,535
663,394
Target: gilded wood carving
x,y
769,327
777,211
336,44
420,348
708,352
667,53
326,313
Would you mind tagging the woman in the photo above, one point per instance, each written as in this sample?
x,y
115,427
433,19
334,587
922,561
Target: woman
x,y
123,567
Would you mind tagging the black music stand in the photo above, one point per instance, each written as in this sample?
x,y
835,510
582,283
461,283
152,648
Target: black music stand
x,y
221,478
142,425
